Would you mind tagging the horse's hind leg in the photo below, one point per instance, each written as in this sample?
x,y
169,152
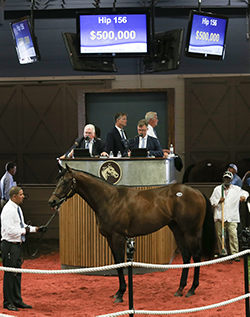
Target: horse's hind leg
x,y
197,259
195,282
186,256
185,253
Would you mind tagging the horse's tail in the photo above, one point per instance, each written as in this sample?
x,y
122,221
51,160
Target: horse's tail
x,y
209,239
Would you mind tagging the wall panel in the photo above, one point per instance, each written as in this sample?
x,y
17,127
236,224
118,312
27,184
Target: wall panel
x,y
38,123
217,112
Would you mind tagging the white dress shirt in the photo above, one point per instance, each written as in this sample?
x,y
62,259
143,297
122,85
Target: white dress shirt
x,y
120,131
90,144
10,223
231,203
140,142
151,131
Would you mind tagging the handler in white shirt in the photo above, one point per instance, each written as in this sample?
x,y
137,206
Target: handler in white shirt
x,y
230,195
14,229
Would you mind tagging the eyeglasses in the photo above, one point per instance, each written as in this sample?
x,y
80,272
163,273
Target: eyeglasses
x,y
143,130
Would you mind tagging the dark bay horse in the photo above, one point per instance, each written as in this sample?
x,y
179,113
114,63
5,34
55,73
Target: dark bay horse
x,y
123,211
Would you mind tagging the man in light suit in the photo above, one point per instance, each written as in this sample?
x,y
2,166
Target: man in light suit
x,y
146,141
116,139
95,145
152,119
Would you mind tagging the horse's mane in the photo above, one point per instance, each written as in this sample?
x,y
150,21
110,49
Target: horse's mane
x,y
61,173
64,170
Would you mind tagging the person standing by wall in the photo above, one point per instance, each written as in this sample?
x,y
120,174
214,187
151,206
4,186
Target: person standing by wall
x,y
247,178
13,230
7,181
229,195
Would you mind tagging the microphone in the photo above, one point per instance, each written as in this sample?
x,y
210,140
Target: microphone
x,y
77,144
87,138
137,136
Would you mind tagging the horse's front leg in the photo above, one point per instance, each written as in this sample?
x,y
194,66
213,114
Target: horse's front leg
x,y
122,286
117,245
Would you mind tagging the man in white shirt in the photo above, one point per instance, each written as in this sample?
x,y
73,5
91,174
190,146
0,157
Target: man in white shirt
x,y
230,195
13,230
7,182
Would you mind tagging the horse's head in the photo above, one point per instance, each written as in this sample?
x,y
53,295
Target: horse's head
x,y
65,188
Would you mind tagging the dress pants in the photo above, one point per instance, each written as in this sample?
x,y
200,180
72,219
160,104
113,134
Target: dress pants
x,y
231,228
12,257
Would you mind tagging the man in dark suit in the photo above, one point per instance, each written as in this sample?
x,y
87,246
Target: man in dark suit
x,y
116,139
95,145
145,141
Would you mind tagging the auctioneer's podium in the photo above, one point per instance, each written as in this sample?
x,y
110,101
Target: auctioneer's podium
x,y
81,244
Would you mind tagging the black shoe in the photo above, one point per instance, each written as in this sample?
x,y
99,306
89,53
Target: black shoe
x,y
22,305
10,307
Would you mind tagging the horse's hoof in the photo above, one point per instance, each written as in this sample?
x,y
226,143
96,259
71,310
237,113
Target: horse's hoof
x,y
118,300
177,294
190,293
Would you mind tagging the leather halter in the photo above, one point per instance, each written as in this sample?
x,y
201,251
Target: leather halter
x,y
63,199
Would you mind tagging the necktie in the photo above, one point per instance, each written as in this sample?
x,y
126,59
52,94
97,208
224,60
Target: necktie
x,y
123,135
87,145
21,224
143,143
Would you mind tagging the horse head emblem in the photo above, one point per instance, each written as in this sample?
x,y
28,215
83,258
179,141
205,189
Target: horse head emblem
x,y
110,171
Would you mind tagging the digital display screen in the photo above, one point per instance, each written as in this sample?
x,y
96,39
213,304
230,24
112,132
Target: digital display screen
x,y
206,35
24,41
114,34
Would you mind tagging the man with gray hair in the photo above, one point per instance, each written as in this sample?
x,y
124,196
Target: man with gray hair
x,y
152,120
95,145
